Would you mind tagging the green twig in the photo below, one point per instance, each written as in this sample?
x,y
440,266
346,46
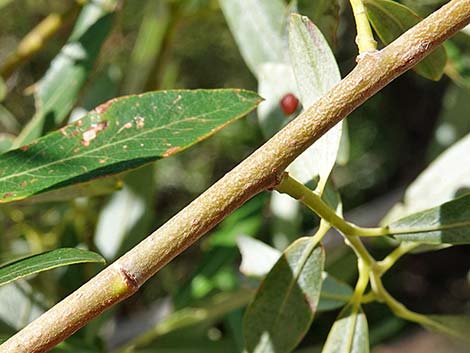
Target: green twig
x,y
361,285
392,258
312,200
365,39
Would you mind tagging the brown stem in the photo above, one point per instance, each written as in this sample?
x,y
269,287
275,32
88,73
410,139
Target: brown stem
x,y
259,172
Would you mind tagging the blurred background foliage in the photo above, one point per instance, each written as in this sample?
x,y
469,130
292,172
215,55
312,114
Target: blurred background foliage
x,y
164,44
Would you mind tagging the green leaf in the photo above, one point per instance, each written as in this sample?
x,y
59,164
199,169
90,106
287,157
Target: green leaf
x,y
98,187
316,72
448,223
286,301
45,261
446,177
457,326
259,258
119,135
57,92
334,293
349,333
390,19
258,27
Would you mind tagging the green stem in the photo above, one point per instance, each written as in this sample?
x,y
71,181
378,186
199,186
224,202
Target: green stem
x,y
384,265
361,284
397,308
312,200
365,39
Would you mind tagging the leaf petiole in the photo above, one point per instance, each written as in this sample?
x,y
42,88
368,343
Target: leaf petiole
x,y
365,39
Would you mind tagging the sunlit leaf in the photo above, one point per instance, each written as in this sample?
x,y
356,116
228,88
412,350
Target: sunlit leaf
x,y
349,333
316,72
286,301
390,19
258,27
448,223
119,135
57,92
258,258
44,262
275,80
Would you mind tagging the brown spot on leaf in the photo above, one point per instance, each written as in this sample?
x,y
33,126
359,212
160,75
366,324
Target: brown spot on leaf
x,y
127,125
139,122
91,133
23,184
177,99
7,195
103,107
171,151
63,131
24,148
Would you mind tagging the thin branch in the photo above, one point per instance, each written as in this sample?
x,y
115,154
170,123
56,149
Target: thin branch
x,y
260,171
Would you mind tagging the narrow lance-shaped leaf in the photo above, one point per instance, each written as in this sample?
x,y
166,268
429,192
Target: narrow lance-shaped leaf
x,y
93,188
259,258
448,223
286,301
390,19
119,135
349,333
45,261
257,26
57,92
316,72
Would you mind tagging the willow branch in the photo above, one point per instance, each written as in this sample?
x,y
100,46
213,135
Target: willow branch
x,y
260,171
